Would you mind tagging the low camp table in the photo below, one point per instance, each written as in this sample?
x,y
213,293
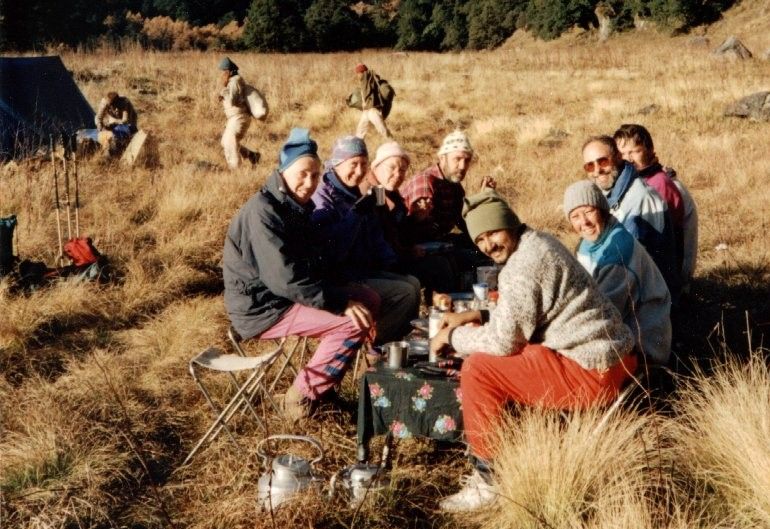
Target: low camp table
x,y
405,403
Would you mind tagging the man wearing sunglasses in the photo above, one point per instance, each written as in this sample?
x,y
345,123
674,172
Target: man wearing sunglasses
x,y
635,205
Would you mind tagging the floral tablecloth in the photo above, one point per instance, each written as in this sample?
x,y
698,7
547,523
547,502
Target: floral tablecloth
x,y
406,403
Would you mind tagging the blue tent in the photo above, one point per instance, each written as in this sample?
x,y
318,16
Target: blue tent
x,y
38,98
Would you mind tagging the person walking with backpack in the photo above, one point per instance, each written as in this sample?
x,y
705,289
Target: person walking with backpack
x,y
233,98
375,102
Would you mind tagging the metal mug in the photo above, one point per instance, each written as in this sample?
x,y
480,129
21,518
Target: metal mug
x,y
379,195
397,354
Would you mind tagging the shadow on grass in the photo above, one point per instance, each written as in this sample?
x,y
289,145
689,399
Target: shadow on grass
x,y
728,311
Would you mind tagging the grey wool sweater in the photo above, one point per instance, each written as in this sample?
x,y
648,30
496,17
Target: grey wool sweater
x,y
548,298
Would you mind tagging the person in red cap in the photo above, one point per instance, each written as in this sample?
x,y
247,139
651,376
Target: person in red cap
x,y
374,98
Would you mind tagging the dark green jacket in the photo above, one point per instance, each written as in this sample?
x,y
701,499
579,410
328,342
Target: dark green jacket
x,y
273,259
370,91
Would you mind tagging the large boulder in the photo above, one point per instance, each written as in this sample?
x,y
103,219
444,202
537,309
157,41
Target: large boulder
x,y
733,48
755,107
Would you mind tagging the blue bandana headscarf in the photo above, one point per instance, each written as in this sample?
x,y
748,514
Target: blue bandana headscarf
x,y
345,148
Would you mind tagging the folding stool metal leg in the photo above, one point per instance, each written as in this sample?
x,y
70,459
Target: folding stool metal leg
x,y
216,360
236,340
300,345
361,353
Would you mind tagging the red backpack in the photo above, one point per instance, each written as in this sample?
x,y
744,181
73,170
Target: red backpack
x,y
81,251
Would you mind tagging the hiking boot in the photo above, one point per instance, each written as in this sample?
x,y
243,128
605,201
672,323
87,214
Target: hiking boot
x,y
475,494
295,405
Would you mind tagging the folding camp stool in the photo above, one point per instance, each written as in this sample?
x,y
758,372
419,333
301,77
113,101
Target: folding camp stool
x,y
252,387
300,347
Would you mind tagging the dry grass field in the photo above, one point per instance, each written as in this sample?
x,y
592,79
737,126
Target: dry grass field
x,y
97,409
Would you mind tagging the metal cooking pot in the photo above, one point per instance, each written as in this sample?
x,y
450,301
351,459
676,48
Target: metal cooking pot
x,y
289,474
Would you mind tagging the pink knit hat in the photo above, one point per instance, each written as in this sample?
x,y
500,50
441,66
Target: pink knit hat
x,y
387,150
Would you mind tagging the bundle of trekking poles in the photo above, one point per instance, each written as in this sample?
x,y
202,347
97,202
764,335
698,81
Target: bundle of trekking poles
x,y
77,257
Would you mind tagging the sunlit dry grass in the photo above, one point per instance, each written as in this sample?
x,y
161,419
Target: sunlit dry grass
x,y
577,472
97,408
722,440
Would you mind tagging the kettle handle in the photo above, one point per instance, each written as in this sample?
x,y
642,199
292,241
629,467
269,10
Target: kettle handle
x,y
289,437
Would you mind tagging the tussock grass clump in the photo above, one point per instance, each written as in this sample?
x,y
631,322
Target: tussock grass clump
x,y
578,472
722,433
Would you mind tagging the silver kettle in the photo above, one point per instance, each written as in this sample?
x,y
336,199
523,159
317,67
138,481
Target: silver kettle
x,y
288,474
359,481
363,479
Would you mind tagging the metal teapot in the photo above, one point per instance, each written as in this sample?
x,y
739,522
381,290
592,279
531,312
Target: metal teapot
x,y
359,481
288,474
363,479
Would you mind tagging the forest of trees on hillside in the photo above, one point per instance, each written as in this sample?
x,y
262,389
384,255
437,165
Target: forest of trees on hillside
x,y
322,25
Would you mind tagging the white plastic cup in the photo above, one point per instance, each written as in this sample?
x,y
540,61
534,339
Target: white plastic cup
x,y
488,275
481,291
434,322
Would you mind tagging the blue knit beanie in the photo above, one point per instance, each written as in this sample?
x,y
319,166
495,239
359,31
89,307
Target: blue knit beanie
x,y
297,145
345,148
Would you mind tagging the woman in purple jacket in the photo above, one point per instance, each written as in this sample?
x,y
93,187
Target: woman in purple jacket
x,y
355,241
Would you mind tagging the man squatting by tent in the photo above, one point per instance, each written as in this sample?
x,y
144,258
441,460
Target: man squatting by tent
x,y
115,122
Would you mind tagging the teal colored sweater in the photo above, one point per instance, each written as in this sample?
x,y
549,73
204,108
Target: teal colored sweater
x,y
627,275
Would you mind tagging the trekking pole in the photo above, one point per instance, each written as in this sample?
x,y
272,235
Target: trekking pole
x,y
67,197
77,194
60,257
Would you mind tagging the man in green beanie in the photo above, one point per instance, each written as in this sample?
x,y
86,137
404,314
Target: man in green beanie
x,y
233,98
554,340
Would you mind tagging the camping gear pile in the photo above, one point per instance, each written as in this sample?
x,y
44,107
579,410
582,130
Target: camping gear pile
x,y
85,260
77,257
